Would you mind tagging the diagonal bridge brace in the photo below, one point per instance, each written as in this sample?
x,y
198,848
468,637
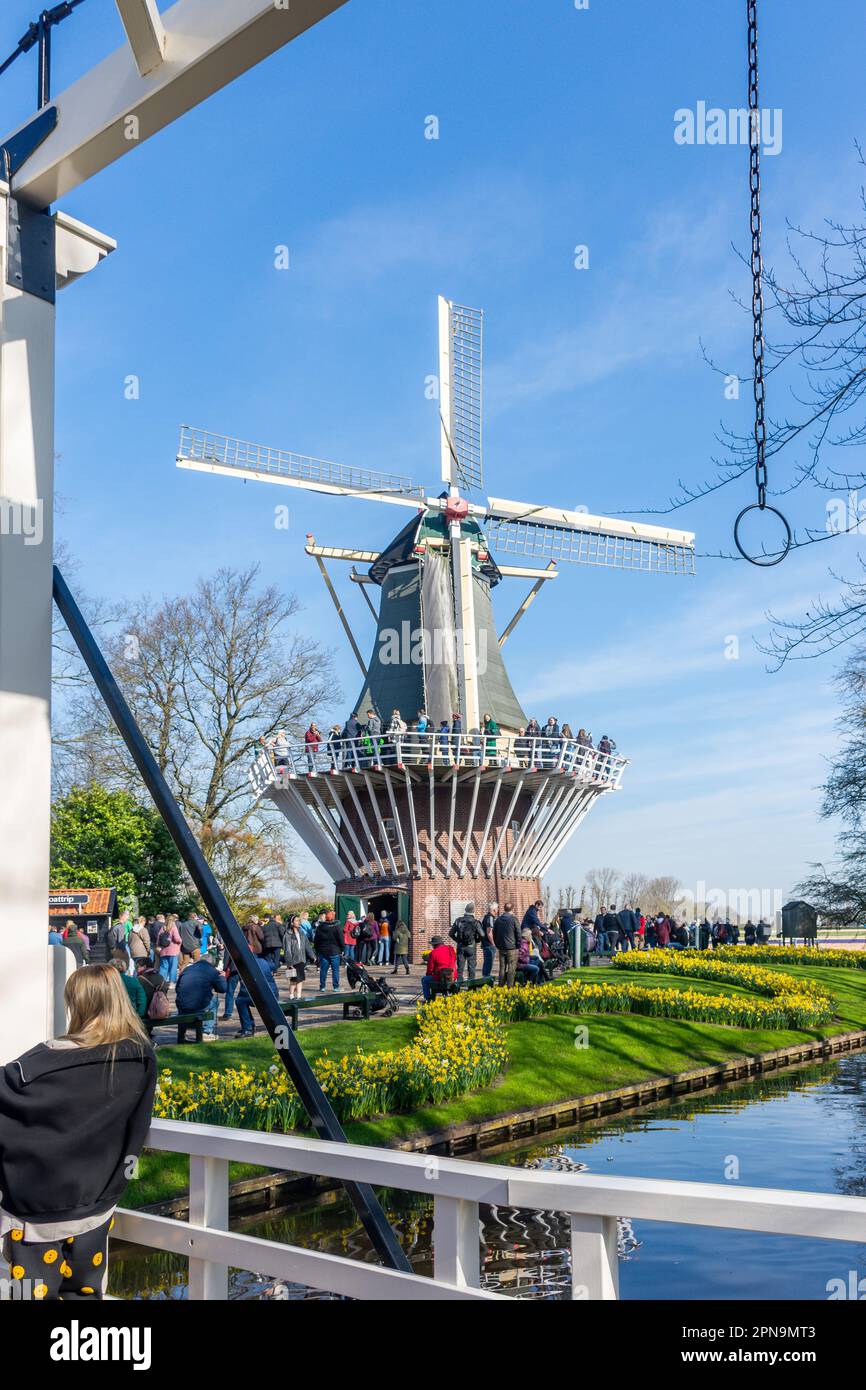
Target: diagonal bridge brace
x,y
313,1098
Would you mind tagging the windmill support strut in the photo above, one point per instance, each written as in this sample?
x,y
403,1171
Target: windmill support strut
x,y
341,615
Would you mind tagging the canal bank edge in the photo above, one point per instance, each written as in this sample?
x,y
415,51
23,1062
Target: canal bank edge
x,y
488,1136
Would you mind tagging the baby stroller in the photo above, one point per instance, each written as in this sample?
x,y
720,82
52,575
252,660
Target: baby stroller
x,y
383,999
553,955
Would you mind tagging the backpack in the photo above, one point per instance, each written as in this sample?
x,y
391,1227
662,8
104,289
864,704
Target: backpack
x,y
159,1006
464,931
164,938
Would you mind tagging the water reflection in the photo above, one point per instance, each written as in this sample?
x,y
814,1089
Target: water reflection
x,y
804,1129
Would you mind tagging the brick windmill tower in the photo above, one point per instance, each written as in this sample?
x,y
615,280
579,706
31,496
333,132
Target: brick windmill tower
x,y
419,823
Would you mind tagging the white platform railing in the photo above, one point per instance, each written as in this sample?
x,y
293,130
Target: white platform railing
x,y
457,1187
519,752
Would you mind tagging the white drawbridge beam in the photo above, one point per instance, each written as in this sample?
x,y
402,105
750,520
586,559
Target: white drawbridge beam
x,y
167,64
145,32
114,106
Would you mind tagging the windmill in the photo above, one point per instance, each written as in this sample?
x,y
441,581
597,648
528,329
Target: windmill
x,y
417,823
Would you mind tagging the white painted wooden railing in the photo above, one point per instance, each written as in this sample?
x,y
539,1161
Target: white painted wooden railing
x,y
457,1188
295,758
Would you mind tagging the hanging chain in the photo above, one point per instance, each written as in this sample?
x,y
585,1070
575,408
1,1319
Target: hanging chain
x,y
757,260
773,557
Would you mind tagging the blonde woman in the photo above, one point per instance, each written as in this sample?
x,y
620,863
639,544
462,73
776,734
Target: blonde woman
x,y
74,1113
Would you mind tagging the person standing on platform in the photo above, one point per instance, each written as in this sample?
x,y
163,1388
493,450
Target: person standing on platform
x,y
76,942
610,925
506,937
466,933
328,942
168,944
350,936
488,949
383,952
297,952
272,945
139,942
401,947
627,926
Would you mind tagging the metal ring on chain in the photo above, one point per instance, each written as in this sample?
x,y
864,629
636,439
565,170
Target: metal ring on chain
x,y
767,562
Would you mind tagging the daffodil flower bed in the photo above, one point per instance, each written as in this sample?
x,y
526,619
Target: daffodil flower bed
x,y
794,955
461,1045
805,1003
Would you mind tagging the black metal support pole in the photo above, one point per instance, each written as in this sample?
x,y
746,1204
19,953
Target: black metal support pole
x,y
314,1100
44,92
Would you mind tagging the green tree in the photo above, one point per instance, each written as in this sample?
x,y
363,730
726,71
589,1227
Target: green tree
x,y
107,839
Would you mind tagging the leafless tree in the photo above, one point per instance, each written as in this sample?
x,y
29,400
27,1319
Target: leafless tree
x,y
601,886
248,865
839,891
816,358
664,894
205,676
634,888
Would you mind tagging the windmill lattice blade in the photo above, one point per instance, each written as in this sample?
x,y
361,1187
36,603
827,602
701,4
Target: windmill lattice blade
x,y
463,396
592,545
200,447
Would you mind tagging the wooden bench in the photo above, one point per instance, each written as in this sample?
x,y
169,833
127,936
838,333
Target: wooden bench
x,y
355,1000
183,1021
455,986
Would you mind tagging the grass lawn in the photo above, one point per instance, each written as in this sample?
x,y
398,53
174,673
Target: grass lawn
x,y
545,1065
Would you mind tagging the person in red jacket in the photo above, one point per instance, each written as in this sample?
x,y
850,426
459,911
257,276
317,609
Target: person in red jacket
x,y
442,959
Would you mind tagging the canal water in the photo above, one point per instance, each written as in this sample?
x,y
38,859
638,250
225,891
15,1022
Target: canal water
x,y
803,1129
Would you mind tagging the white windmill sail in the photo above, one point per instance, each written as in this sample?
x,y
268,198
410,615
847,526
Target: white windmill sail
x,y
552,533
219,453
461,369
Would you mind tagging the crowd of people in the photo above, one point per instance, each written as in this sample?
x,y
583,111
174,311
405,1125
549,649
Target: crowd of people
x,y
629,929
154,954
528,949
365,740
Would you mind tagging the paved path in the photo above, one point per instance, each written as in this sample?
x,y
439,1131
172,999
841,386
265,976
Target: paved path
x,y
408,992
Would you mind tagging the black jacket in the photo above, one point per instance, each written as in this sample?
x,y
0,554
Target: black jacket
x,y
71,1125
627,921
466,932
190,937
328,939
274,933
506,932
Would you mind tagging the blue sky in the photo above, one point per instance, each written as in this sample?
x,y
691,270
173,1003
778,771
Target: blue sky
x,y
556,129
